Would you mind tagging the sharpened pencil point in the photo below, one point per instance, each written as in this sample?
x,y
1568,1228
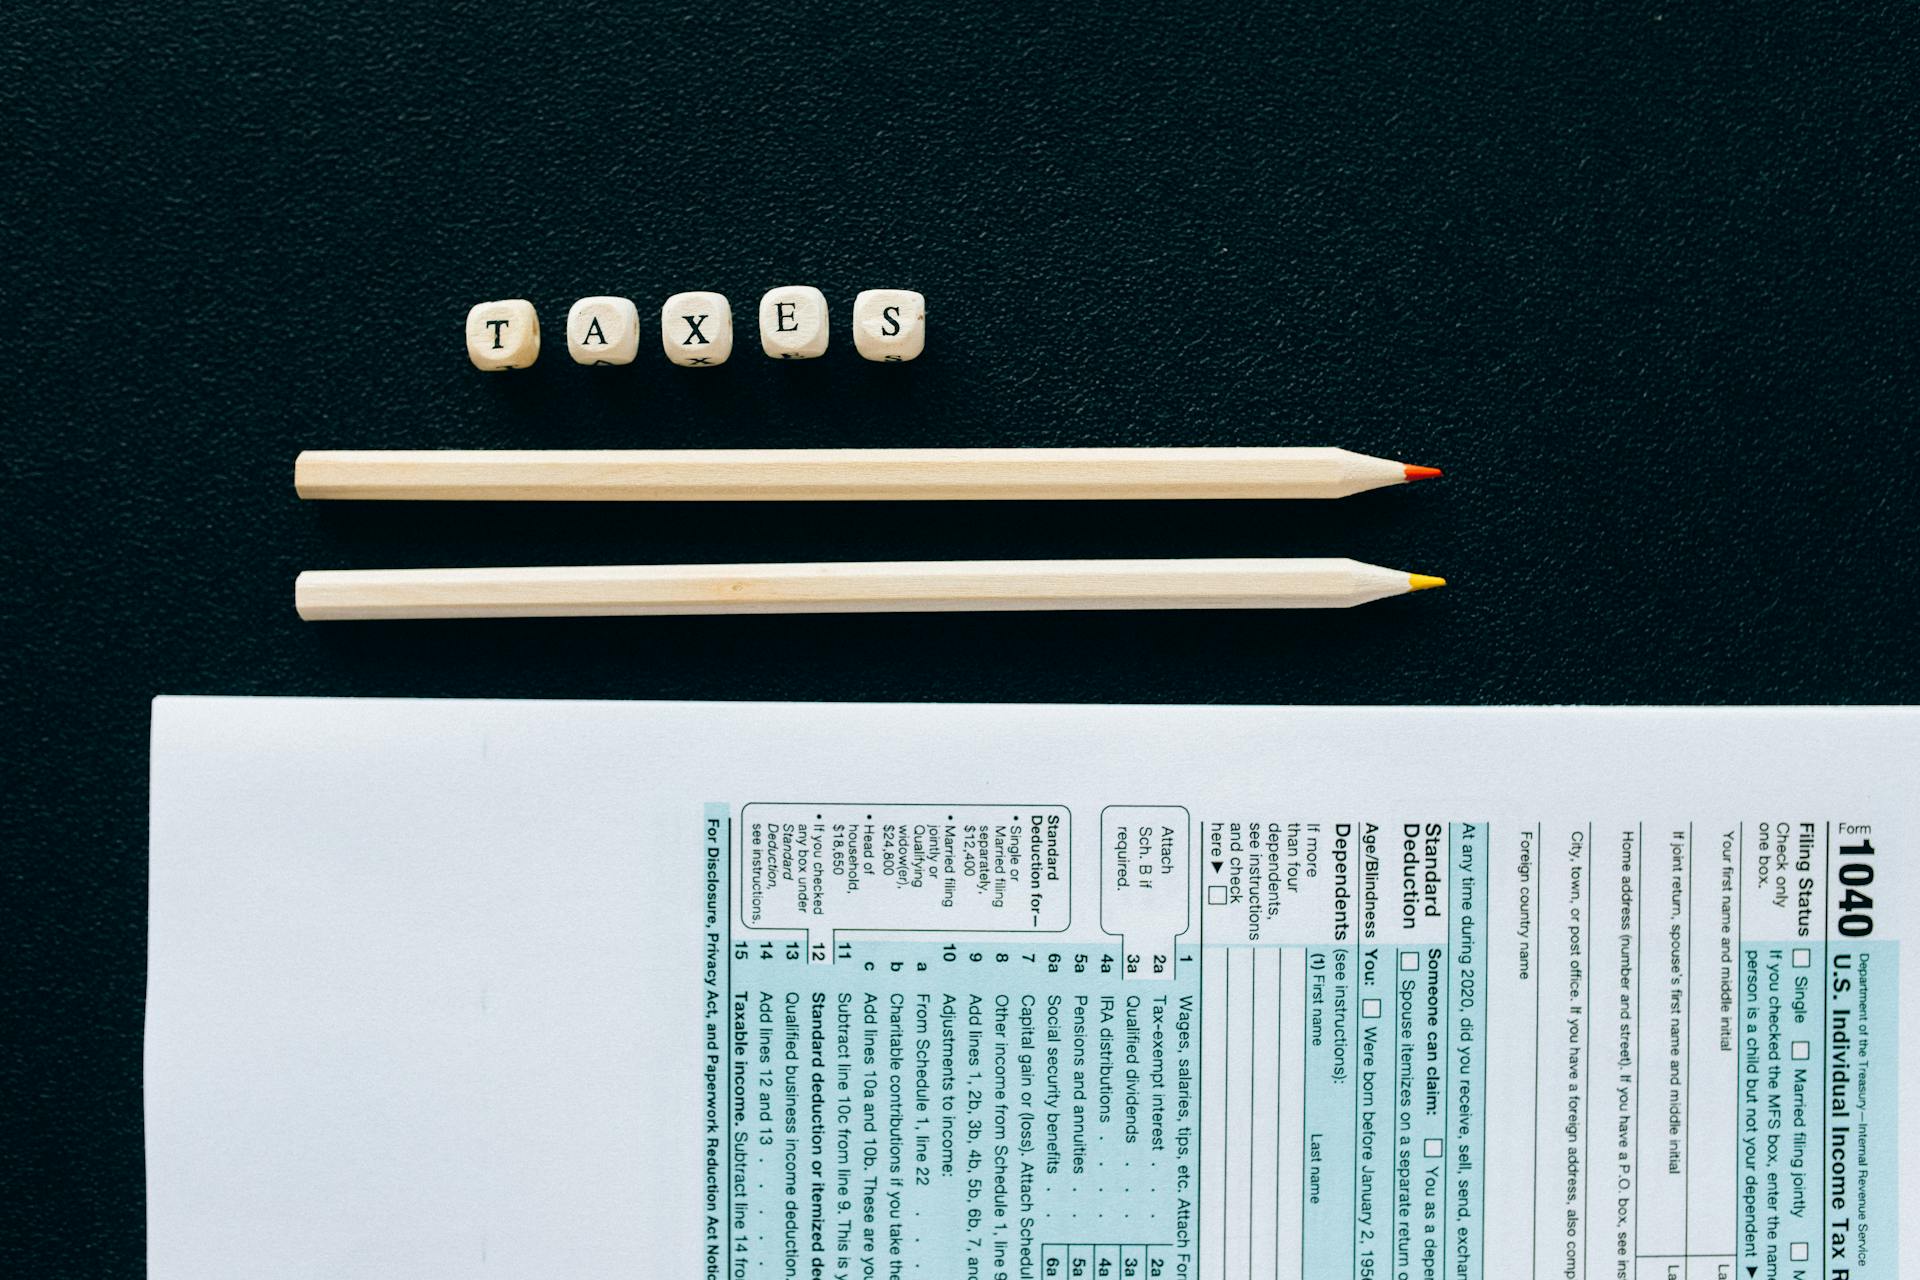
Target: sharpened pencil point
x,y
1420,582
1422,473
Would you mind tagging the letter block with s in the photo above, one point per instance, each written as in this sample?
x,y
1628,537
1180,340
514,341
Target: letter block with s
x,y
889,325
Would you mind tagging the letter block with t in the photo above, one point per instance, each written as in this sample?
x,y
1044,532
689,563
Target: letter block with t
x,y
889,325
793,322
696,329
603,331
503,335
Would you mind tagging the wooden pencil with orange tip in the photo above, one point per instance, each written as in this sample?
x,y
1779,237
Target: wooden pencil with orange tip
x,y
844,475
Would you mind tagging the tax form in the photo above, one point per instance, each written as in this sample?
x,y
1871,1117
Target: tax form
x,y
863,992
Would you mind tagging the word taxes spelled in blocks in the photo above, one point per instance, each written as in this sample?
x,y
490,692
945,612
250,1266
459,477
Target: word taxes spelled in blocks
x,y
696,328
503,335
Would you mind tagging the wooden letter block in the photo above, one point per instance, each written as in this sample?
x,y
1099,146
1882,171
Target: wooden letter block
x,y
696,329
503,335
793,322
889,324
603,330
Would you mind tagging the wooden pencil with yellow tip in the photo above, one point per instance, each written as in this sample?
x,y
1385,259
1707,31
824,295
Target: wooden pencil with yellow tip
x,y
858,587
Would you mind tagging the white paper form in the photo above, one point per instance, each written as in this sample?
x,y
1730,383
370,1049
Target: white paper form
x,y
749,991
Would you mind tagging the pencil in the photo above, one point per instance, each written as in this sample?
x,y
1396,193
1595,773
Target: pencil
x,y
879,587
816,475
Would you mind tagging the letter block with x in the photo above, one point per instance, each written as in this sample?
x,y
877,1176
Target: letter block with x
x,y
503,334
696,329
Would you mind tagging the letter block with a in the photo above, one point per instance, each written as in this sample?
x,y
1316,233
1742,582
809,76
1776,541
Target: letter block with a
x,y
603,330
793,322
696,329
503,334
889,325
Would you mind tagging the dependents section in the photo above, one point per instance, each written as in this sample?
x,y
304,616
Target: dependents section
x,y
1344,1049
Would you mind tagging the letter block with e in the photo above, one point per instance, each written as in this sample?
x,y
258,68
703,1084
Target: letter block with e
x,y
793,322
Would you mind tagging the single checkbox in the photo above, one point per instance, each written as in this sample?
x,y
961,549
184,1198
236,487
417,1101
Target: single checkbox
x,y
1216,895
1802,957
1369,1008
1409,961
1797,1251
1434,1147
1800,1050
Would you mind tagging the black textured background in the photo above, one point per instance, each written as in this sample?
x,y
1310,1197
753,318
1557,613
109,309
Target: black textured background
x,y
1640,277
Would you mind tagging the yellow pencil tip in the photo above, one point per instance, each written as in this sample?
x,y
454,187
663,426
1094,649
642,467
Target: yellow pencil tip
x,y
1420,582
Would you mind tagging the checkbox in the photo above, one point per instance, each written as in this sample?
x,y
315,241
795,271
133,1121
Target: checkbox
x,y
1409,961
1216,895
1797,1251
1435,1147
1369,1008
1802,957
1800,1050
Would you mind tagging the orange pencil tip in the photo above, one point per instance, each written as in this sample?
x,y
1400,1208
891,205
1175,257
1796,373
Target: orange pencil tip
x,y
1422,473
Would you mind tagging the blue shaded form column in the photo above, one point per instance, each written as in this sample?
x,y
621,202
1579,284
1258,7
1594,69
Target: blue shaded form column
x,y
1467,1066
1327,1173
